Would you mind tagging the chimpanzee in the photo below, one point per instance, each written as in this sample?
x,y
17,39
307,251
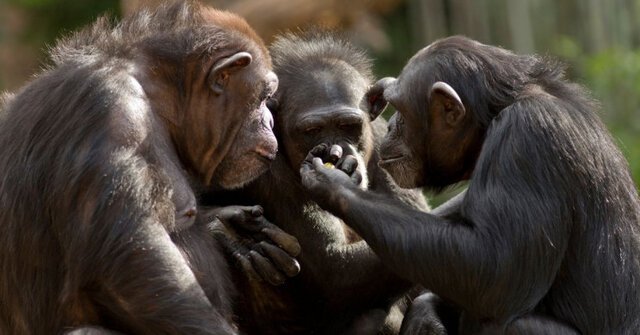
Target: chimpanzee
x,y
5,98
546,238
99,154
323,79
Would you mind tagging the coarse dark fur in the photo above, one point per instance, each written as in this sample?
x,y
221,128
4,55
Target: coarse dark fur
x,y
322,82
547,237
98,155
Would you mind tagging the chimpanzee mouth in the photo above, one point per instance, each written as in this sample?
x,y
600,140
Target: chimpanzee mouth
x,y
266,156
391,160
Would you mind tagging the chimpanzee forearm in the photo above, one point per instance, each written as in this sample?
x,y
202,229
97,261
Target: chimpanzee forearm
x,y
421,246
391,229
353,267
344,268
167,297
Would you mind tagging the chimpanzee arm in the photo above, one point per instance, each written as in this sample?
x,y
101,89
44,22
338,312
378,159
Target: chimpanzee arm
x,y
119,248
353,266
499,254
327,256
344,268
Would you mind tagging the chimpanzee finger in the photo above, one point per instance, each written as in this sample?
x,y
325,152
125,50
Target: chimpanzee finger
x,y
282,260
257,211
232,246
243,217
334,154
317,151
285,241
356,178
305,168
348,164
266,269
246,266
235,214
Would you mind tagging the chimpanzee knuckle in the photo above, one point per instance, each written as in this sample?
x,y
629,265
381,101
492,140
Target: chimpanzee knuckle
x,y
237,213
285,241
334,154
317,149
349,164
356,178
252,224
305,168
257,211
317,164
309,158
266,269
283,260
223,214
257,247
247,268
216,227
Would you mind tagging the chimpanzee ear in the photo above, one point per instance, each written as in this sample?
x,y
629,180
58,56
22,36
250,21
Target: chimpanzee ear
x,y
443,97
373,101
222,69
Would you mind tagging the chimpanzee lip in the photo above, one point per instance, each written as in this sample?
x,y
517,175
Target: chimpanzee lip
x,y
266,156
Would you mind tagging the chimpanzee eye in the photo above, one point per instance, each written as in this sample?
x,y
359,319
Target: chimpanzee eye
x,y
349,126
312,130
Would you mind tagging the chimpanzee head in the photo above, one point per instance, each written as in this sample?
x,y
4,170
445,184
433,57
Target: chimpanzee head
x,y
322,83
445,97
209,79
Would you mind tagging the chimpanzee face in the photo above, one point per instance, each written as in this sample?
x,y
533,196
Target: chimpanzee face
x,y
430,134
214,105
322,106
254,145
401,152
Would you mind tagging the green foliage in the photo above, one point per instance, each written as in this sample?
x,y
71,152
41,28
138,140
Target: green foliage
x,y
51,18
614,78
629,142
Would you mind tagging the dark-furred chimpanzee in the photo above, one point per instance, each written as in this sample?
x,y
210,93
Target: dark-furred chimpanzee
x,y
322,82
547,237
99,154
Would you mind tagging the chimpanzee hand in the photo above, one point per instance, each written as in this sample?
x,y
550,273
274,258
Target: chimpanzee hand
x,y
322,179
422,317
263,251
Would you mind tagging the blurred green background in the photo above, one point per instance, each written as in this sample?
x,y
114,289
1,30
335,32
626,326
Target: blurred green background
x,y
598,39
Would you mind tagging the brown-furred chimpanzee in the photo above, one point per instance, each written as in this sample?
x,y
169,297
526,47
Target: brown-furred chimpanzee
x,y
322,82
546,238
99,155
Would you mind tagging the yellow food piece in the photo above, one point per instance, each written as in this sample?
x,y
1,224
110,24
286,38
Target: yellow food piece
x,y
329,165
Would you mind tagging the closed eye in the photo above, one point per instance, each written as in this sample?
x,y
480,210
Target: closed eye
x,y
312,130
350,126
